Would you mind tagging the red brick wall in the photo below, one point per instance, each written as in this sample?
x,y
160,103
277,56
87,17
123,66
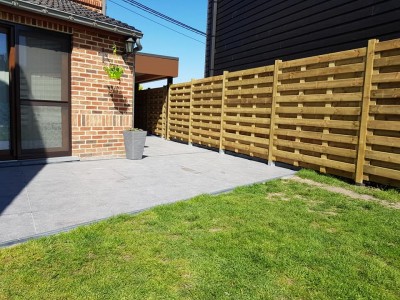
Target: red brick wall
x,y
100,107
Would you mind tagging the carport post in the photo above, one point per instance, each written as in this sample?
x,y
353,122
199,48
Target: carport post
x,y
170,80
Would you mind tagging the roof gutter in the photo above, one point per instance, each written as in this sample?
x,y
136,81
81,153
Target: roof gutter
x,y
73,18
213,34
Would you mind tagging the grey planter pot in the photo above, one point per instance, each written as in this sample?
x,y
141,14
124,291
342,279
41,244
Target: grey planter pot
x,y
134,143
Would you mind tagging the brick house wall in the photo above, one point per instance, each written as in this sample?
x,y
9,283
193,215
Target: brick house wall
x,y
101,108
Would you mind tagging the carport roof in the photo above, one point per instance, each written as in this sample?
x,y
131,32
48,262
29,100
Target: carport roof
x,y
151,67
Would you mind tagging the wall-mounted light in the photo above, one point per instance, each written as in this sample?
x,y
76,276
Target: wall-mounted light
x,y
132,45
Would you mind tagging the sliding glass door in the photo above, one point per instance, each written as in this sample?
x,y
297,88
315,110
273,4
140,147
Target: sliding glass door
x,y
43,90
34,93
5,112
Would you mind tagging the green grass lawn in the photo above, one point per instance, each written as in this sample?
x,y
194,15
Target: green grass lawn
x,y
279,240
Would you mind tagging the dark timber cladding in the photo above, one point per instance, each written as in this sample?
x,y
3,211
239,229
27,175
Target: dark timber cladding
x,y
254,33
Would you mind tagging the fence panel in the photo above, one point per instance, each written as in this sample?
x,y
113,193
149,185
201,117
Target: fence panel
x,y
179,111
382,155
247,111
206,111
337,113
318,110
154,101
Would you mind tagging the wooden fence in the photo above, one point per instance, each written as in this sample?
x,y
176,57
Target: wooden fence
x,y
151,110
337,113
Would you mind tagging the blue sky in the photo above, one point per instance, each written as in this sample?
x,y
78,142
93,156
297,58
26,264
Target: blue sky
x,y
160,40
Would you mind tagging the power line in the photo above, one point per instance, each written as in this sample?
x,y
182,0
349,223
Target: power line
x,y
155,22
164,17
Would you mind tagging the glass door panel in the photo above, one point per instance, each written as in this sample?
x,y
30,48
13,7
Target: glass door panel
x,y
4,94
42,126
43,61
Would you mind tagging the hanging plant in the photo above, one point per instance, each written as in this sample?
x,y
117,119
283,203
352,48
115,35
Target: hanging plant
x,y
114,71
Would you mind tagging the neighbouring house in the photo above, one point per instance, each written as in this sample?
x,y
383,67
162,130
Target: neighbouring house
x,y
55,97
248,34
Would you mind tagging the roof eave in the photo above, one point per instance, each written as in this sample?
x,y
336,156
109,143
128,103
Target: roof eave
x,y
73,18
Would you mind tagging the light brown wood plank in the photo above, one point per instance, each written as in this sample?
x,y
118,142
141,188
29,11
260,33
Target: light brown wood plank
x,y
383,172
346,139
315,160
315,85
359,67
353,125
325,58
344,111
342,97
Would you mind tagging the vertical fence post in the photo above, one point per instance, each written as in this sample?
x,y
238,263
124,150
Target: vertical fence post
x,y
221,135
275,93
168,112
190,112
366,98
164,112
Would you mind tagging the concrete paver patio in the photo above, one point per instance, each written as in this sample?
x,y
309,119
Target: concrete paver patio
x,y
38,199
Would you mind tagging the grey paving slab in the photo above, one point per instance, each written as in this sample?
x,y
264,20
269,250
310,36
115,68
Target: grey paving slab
x,y
16,226
37,199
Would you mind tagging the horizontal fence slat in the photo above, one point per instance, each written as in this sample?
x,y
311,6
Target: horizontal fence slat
x,y
359,67
206,125
247,120
345,111
343,97
207,95
384,141
203,88
206,103
266,90
382,172
255,111
352,125
387,61
206,133
316,148
181,117
328,137
385,109
235,101
386,93
206,140
315,85
253,81
387,45
249,129
246,138
179,128
206,110
207,118
254,71
383,156
177,98
324,58
384,125
386,77
208,79
316,161
247,149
